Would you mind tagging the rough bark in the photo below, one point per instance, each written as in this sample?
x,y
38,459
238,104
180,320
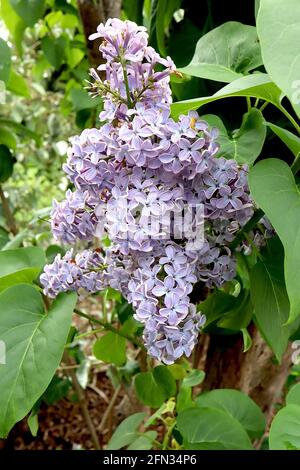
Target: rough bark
x,y
255,372
93,13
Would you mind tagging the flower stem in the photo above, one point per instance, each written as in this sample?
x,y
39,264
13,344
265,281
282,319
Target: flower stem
x,y
109,327
129,103
290,118
258,214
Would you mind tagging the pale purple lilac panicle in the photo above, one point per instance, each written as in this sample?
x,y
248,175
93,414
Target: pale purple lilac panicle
x,y
134,175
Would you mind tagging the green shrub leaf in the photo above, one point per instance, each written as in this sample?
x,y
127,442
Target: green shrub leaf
x,y
34,347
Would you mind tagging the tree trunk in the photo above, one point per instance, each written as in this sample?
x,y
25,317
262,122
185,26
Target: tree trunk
x,y
255,372
93,13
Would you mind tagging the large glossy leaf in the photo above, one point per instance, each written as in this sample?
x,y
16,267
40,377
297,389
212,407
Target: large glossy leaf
x,y
226,53
126,432
278,26
285,429
273,188
34,347
270,299
20,266
212,428
246,143
5,61
29,10
237,404
258,85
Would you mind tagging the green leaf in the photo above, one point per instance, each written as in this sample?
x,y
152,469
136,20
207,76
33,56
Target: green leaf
x,y
184,397
237,404
17,84
133,10
246,144
20,266
214,427
269,297
278,26
291,140
257,85
74,56
285,429
22,130
34,347
4,237
14,24
7,138
216,305
273,188
226,149
29,10
247,340
126,432
54,50
249,139
56,390
166,408
293,396
111,348
33,423
6,163
16,241
195,377
226,53
5,61
82,100
178,371
153,388
240,316
164,15
144,442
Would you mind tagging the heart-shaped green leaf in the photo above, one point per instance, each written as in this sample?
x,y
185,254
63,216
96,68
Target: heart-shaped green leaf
x,y
212,428
225,53
34,343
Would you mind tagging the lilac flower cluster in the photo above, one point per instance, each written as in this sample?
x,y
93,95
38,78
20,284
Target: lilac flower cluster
x,y
134,178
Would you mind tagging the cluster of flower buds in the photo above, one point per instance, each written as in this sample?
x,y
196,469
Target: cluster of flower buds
x,y
157,189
